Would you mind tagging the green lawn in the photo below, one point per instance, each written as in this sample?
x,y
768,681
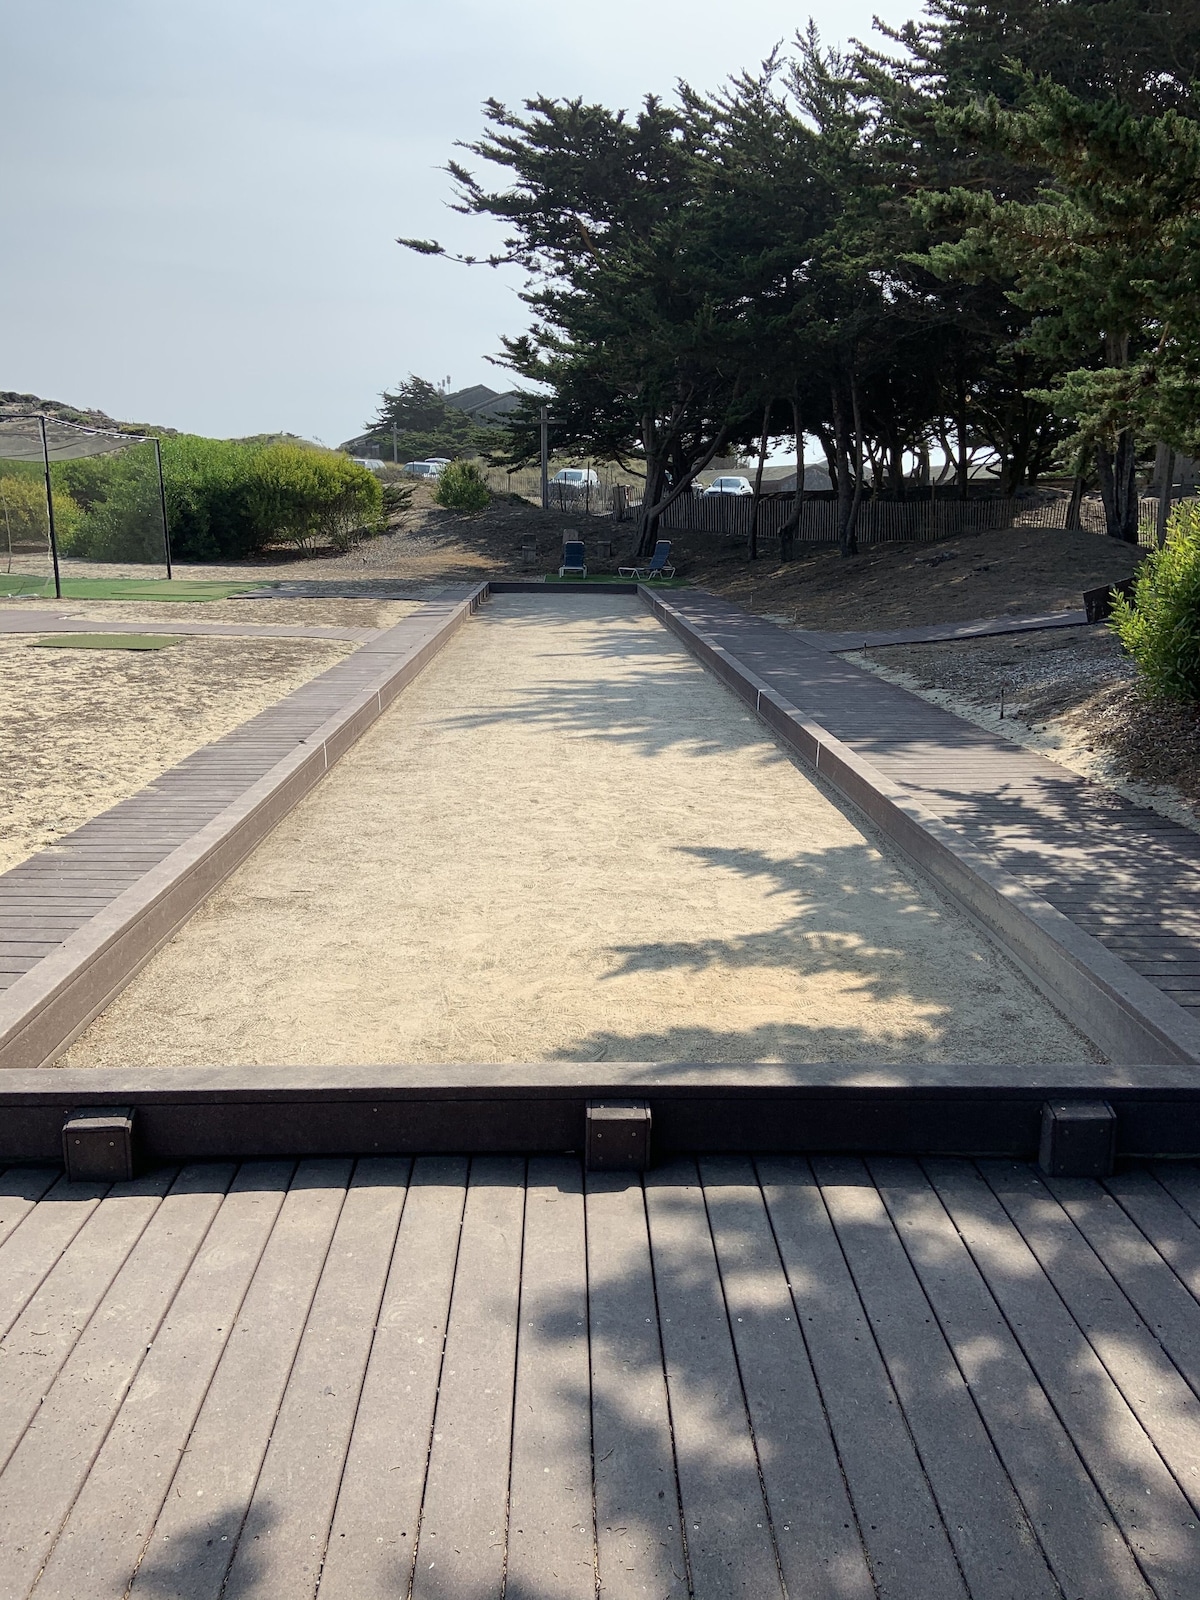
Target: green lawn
x,y
124,588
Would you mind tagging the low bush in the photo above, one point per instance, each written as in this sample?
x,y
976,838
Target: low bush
x,y
462,487
23,521
1160,626
226,500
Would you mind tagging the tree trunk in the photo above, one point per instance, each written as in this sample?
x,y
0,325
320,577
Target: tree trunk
x,y
787,533
1165,476
850,541
756,502
1118,487
845,491
960,423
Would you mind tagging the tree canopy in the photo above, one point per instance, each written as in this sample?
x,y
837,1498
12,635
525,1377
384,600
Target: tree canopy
x,y
974,237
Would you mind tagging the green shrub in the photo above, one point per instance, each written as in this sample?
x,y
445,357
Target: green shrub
x,y
1161,627
462,487
23,521
227,499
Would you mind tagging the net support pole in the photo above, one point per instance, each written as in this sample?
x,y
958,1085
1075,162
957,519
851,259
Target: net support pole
x,y
544,429
162,505
50,512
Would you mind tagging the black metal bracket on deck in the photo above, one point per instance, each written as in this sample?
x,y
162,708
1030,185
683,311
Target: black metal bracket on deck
x,y
98,1144
1079,1139
618,1136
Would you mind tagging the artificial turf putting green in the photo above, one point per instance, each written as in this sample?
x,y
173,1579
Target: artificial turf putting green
x,y
192,589
104,641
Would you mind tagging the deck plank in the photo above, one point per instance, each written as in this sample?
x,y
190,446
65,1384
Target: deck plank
x,y
639,1540
907,1544
31,1250
196,1535
991,1534
1140,1321
1142,1496
816,1531
103,1536
373,1537
45,1473
729,1542
20,1190
461,1543
282,1545
1166,1226
41,1339
1069,1515
551,1541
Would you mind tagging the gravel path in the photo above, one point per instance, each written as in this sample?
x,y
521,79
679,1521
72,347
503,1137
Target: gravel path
x,y
568,840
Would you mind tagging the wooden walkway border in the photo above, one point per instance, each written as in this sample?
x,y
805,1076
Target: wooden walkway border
x,y
1096,899
222,1113
446,1378
77,920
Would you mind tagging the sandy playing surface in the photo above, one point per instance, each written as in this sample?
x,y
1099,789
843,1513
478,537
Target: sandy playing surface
x,y
82,729
568,840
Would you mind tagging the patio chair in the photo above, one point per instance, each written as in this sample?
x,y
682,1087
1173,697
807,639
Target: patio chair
x,y
573,561
659,567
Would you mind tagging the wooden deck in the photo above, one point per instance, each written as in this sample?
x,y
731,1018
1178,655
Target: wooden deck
x,y
1123,874
450,1379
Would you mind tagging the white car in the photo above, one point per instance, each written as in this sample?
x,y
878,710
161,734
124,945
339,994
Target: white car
x,y
729,486
577,478
424,469
369,462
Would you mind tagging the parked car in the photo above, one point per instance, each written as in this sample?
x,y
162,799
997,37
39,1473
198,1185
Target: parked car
x,y
438,461
370,462
424,469
577,478
729,486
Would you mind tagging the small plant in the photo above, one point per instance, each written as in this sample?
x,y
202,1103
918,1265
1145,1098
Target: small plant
x,y
1160,627
462,487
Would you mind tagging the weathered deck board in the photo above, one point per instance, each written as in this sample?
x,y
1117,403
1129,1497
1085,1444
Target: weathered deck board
x,y
551,1527
843,1381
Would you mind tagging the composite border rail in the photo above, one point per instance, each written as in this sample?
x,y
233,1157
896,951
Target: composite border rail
x,y
79,920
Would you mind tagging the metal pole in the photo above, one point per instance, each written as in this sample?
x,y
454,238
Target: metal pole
x,y
544,414
162,502
395,448
50,513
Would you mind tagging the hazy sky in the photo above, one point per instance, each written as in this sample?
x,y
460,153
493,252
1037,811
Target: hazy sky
x,y
201,198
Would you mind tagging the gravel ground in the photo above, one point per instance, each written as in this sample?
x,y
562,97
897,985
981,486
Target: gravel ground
x,y
567,840
1070,693
82,729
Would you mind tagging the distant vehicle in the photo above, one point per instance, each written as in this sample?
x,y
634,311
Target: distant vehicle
x,y
369,462
424,469
577,478
437,461
729,486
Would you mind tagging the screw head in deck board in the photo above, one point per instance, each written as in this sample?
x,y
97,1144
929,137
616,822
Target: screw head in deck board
x,y
1079,1139
98,1144
618,1135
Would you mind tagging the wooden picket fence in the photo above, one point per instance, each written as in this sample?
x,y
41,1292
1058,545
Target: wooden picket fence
x,y
883,521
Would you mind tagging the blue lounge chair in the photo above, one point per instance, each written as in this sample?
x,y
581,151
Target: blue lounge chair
x,y
660,564
573,560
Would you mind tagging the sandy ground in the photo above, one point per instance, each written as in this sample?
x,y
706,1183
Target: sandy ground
x,y
300,613
567,840
1071,694
82,729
